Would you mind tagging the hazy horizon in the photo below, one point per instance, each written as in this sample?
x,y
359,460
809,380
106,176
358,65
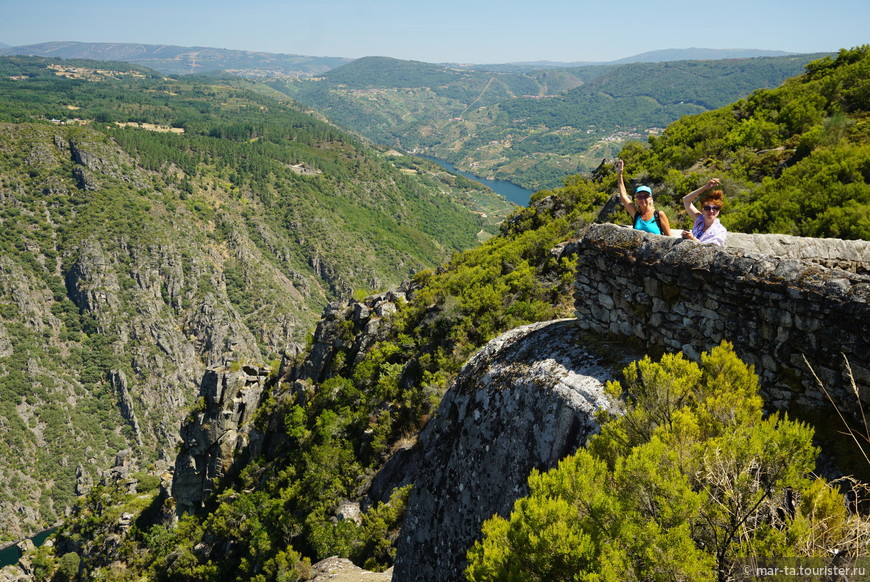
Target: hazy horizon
x,y
449,31
705,53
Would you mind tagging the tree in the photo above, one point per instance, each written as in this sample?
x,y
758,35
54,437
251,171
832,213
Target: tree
x,y
687,478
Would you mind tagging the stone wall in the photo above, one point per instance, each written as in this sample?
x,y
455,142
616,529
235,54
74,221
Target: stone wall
x,y
776,298
835,253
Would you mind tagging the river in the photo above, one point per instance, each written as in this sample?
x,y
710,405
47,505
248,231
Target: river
x,y
10,554
516,194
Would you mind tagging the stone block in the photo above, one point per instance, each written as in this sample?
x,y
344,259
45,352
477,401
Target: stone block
x,y
605,301
651,286
806,322
690,352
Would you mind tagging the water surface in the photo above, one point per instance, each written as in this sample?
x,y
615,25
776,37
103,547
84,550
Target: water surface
x,y
514,193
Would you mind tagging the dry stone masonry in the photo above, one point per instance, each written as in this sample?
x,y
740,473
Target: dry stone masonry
x,y
777,298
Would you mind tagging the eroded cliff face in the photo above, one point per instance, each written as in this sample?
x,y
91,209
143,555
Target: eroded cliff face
x,y
524,401
216,435
161,307
115,297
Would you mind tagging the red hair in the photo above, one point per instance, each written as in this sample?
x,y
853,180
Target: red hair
x,y
715,196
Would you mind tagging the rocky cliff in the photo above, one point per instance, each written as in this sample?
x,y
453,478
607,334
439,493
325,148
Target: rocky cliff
x,y
216,434
121,285
114,302
526,400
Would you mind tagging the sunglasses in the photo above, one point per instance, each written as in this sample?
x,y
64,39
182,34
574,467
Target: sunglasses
x,y
641,196
711,208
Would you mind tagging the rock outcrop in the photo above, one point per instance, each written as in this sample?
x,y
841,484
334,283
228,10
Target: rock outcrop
x,y
118,380
343,570
523,402
352,328
216,435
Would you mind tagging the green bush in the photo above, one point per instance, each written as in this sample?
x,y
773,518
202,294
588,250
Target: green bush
x,y
691,476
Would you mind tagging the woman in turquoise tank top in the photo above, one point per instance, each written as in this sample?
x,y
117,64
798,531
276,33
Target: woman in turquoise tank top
x,y
643,214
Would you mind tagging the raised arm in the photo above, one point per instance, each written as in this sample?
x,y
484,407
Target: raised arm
x,y
623,195
689,198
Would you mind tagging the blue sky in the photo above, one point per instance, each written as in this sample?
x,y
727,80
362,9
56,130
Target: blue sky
x,y
467,31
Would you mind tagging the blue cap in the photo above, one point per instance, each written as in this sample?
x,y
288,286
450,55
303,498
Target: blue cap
x,y
643,189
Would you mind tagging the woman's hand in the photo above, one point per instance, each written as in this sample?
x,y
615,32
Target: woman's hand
x,y
713,183
619,166
687,234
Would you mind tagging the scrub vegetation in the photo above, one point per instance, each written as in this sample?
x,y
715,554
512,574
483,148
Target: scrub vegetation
x,y
690,478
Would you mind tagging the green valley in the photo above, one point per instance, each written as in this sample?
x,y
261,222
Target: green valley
x,y
132,260
533,128
151,227
803,146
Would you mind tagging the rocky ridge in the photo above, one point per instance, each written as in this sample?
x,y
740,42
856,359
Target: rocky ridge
x,y
218,434
215,436
524,401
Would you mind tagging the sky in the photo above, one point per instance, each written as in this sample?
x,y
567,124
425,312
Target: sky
x,y
446,31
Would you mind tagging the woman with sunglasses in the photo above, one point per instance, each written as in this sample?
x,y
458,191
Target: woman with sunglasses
x,y
707,228
643,214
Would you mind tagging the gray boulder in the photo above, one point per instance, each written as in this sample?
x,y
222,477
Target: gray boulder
x,y
524,401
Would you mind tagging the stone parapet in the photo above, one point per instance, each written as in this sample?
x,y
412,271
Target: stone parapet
x,y
847,255
772,296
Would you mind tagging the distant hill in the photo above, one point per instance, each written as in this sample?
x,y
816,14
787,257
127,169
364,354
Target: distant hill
x,y
699,54
659,56
529,127
4,45
179,60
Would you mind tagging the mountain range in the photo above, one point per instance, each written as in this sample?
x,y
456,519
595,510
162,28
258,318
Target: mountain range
x,y
657,56
179,60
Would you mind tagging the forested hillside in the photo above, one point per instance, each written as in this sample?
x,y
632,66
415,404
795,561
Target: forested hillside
x,y
388,100
332,433
531,127
151,227
180,60
794,160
